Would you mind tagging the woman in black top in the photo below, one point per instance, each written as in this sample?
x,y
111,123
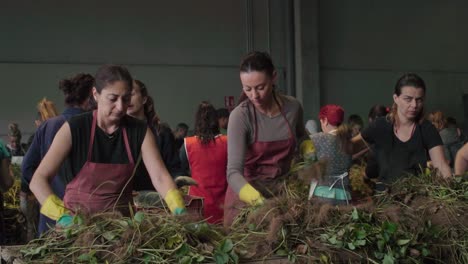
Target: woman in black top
x,y
142,107
403,138
102,147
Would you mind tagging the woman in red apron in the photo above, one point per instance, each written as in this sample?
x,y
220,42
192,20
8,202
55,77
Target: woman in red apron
x,y
206,156
262,136
101,147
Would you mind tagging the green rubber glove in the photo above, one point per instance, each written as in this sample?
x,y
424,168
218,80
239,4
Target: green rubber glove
x,y
65,220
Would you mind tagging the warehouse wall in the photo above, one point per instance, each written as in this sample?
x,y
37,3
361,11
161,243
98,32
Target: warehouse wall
x,y
366,45
185,51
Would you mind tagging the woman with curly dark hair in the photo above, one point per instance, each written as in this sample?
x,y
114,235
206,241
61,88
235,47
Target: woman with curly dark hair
x,y
206,157
77,93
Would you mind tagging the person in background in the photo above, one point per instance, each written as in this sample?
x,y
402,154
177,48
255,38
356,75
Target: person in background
x,y
461,161
77,96
449,135
452,123
311,127
223,120
28,204
372,168
14,136
334,146
6,181
403,138
263,133
45,110
101,147
377,111
356,123
209,171
142,107
180,133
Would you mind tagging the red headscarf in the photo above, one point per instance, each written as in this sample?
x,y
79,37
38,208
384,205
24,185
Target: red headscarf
x,y
333,113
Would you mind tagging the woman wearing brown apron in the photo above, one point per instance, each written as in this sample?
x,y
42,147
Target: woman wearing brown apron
x,y
102,147
262,131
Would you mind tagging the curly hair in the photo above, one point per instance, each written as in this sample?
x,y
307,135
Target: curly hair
x,y
77,89
206,122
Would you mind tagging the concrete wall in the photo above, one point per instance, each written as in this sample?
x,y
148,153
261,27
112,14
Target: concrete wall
x,y
366,45
185,51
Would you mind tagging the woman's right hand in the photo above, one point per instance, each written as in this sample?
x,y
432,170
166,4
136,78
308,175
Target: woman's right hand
x,y
249,195
54,208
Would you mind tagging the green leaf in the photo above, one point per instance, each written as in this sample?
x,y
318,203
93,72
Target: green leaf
x,y
186,260
78,220
332,240
251,227
139,216
403,250
402,242
355,214
380,245
173,240
323,258
199,258
84,257
281,252
182,251
378,255
234,257
109,235
339,244
221,258
390,227
360,242
425,252
147,258
324,237
351,246
361,234
227,246
388,259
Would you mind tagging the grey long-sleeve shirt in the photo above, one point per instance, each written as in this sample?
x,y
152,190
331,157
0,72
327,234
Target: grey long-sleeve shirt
x,y
241,133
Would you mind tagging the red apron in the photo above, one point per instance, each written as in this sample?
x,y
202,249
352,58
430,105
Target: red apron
x,y
97,187
265,161
208,167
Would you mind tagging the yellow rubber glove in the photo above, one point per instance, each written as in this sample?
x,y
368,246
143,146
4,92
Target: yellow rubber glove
x,y
307,149
175,202
249,195
53,207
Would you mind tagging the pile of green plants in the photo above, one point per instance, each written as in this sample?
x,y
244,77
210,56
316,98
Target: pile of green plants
x,y
144,238
420,219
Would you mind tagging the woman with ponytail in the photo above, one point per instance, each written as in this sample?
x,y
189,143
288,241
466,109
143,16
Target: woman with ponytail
x,y
403,138
263,133
205,154
333,145
142,107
